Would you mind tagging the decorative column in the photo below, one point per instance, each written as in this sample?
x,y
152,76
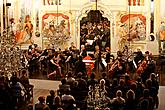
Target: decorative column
x,y
157,16
1,15
114,37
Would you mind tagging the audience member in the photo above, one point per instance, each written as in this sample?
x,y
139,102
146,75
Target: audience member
x,y
41,104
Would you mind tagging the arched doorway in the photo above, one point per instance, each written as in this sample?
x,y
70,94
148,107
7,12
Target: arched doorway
x,y
95,30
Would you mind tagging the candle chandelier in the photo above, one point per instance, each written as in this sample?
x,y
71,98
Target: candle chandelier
x,y
10,55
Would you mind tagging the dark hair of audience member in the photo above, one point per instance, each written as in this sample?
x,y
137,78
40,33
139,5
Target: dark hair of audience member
x,y
63,81
41,99
92,76
146,93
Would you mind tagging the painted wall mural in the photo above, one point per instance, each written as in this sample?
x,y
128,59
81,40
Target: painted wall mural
x,y
131,28
56,27
24,31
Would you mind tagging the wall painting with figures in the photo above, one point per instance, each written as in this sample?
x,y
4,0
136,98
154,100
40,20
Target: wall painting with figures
x,y
56,27
131,29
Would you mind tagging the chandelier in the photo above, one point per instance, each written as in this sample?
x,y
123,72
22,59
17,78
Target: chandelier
x,y
10,54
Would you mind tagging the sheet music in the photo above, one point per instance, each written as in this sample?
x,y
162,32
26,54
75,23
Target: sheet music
x,y
104,62
134,64
68,59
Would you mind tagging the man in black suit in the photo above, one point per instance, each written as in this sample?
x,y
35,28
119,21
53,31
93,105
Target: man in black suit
x,y
108,55
80,67
83,51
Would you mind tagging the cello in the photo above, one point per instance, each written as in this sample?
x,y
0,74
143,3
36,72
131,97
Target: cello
x,y
142,67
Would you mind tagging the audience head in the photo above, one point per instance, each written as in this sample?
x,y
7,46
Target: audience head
x,y
75,84
102,82
60,108
145,93
69,74
115,82
127,77
104,75
67,91
133,86
30,107
57,100
41,99
63,81
130,94
52,93
153,76
148,83
139,79
23,72
92,76
122,82
119,93
79,75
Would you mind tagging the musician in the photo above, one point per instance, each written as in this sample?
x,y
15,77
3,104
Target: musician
x,y
54,63
150,66
118,68
108,55
72,47
97,55
73,52
83,51
147,57
80,67
139,56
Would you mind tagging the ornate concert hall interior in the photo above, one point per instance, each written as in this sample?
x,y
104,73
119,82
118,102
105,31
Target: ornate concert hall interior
x,y
82,54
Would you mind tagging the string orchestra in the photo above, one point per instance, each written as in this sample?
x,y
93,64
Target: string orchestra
x,y
55,62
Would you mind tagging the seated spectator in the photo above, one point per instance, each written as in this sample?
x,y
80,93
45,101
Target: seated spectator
x,y
133,87
140,88
146,101
57,103
155,84
70,79
102,85
30,107
92,81
50,99
24,80
122,87
4,95
67,100
17,92
113,88
63,86
80,67
118,102
41,104
130,100
107,82
82,84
